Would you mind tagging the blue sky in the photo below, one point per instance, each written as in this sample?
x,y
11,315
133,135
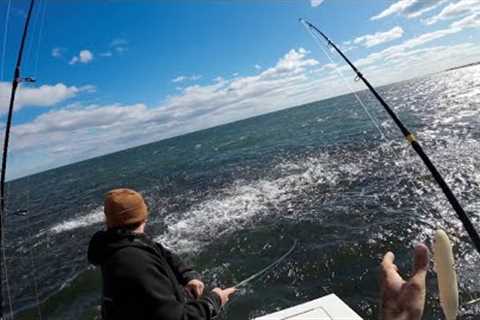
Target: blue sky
x,y
115,74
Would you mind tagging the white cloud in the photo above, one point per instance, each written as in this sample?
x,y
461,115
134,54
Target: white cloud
x,y
83,131
420,7
347,46
179,79
116,46
293,62
105,54
121,49
428,37
118,42
418,41
85,56
194,77
409,8
472,21
43,96
410,63
395,8
58,52
76,118
316,3
80,132
326,67
119,45
377,38
457,9
257,66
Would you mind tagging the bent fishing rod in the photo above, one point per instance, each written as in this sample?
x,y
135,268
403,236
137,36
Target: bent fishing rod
x,y
472,232
15,82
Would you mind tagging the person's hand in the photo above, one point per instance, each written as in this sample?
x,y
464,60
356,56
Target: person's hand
x,y
404,300
224,294
195,287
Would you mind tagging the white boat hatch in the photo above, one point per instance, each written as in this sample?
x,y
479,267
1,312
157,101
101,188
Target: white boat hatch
x,y
329,307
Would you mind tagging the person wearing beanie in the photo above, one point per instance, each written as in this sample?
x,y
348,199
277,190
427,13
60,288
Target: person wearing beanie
x,y
141,278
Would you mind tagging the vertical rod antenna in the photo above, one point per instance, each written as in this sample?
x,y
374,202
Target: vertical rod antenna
x,y
15,82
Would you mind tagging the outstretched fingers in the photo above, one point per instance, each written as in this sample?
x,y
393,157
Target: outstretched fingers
x,y
401,299
390,275
422,258
420,266
388,259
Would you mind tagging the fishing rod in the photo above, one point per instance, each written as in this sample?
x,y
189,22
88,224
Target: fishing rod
x,y
17,79
410,137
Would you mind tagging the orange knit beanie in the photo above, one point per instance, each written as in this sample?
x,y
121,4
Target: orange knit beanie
x,y
124,207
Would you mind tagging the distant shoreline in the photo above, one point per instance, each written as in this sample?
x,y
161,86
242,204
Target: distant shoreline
x,y
464,66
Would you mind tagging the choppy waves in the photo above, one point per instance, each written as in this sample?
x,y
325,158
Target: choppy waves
x,y
244,204
240,205
373,194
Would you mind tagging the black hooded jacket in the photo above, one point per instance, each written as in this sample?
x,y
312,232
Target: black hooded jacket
x,y
143,280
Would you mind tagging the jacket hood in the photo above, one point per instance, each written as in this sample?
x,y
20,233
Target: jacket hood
x,y
105,243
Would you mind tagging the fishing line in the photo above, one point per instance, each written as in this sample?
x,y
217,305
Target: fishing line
x,y
472,302
7,282
15,82
407,135
317,41
422,204
41,18
372,117
32,258
40,36
4,258
461,214
4,46
30,50
258,274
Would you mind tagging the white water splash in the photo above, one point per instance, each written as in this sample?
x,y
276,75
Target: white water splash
x,y
243,204
94,217
234,208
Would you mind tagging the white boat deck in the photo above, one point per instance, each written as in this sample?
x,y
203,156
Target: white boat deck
x,y
329,307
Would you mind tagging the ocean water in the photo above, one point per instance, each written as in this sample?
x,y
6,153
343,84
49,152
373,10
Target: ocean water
x,y
233,198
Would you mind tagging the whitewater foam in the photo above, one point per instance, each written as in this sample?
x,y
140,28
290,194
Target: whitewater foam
x,y
243,204
95,216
